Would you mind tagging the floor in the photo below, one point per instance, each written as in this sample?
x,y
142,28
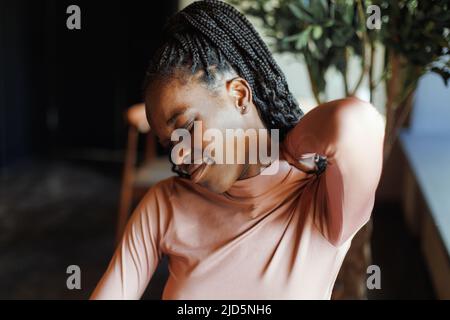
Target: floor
x,y
57,214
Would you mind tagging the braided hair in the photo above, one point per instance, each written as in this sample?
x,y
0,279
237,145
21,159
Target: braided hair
x,y
213,37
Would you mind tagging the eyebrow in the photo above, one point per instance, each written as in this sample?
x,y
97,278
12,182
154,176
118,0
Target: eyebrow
x,y
171,121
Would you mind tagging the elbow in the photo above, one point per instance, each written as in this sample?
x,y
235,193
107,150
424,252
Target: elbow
x,y
355,112
360,119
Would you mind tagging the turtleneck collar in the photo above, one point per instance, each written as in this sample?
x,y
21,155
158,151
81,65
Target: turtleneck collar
x,y
260,184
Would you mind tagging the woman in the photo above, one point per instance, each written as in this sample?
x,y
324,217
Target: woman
x,y
231,232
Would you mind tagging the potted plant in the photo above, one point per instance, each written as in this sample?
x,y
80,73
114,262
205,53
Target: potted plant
x,y
416,35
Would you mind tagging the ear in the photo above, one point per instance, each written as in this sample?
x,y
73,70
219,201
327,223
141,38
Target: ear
x,y
241,93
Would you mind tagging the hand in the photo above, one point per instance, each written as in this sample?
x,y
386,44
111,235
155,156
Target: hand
x,y
309,163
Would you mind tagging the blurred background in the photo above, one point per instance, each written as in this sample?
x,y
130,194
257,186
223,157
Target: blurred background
x,y
76,155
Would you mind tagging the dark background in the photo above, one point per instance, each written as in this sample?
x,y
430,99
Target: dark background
x,y
63,92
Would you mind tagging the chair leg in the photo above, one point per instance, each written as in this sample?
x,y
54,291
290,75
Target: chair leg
x,y
126,194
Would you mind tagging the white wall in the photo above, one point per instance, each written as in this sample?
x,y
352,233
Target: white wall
x,y
431,112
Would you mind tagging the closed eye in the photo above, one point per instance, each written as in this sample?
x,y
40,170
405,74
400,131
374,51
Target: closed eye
x,y
189,125
167,144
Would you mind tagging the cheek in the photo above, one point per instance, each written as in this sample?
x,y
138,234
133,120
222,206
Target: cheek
x,y
222,114
221,121
230,120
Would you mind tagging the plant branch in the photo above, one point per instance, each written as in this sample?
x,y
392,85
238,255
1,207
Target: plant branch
x,y
344,73
365,41
371,70
313,85
393,130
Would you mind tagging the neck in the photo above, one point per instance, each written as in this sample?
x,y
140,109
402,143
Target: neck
x,y
251,170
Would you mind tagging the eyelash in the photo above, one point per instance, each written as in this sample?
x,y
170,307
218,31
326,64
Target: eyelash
x,y
189,125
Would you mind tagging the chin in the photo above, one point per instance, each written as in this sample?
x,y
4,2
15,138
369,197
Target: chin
x,y
220,183
215,189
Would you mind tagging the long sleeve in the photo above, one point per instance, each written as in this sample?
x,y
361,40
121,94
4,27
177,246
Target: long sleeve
x,y
136,257
350,134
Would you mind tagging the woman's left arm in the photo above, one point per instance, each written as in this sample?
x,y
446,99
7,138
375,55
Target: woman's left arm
x,y
350,134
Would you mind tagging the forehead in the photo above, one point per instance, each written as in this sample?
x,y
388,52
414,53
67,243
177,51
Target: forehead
x,y
164,98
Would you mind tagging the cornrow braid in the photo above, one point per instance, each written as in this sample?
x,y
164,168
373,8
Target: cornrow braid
x,y
212,35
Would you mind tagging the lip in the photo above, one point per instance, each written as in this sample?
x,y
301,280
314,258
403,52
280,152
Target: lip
x,y
197,173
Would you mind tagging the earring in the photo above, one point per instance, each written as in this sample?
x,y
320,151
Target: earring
x,y
244,107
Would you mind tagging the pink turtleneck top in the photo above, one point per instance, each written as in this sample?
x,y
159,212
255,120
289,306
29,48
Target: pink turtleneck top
x,y
281,236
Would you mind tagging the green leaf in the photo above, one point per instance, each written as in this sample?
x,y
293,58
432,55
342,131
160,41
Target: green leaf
x,y
317,9
317,32
300,14
304,8
302,39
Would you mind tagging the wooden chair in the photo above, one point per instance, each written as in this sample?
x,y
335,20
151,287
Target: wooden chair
x,y
137,178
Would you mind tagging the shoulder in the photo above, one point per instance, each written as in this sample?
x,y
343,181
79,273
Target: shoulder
x,y
156,206
162,190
